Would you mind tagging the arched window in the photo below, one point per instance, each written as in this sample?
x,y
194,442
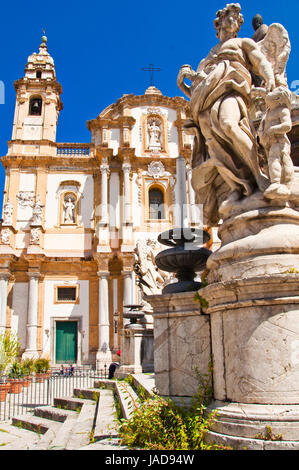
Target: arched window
x,y
38,74
35,107
156,204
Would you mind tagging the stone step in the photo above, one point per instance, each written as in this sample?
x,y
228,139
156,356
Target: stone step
x,y
53,413
242,443
36,424
87,393
128,398
63,435
106,444
69,403
146,382
82,432
14,438
106,420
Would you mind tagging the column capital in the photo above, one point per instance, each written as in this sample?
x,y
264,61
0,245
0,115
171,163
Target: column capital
x,y
126,166
33,275
4,276
101,274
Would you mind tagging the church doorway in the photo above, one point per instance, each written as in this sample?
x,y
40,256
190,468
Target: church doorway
x,y
66,342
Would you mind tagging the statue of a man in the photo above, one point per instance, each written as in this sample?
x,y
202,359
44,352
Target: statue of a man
x,y
154,135
224,144
37,212
69,207
7,213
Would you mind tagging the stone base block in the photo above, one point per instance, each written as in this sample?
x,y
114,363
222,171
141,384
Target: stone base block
x,y
254,427
182,343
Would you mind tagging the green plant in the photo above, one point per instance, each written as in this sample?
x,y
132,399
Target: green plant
x,y
9,350
160,424
269,436
202,302
41,365
16,370
28,366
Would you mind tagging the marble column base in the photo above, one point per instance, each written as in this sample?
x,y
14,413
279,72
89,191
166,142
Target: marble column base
x,y
30,354
103,359
254,427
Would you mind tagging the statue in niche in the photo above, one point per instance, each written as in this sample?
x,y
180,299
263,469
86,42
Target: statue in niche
x,y
226,154
7,213
69,210
37,212
154,132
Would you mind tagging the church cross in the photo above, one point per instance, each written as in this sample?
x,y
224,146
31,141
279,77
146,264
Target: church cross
x,y
151,69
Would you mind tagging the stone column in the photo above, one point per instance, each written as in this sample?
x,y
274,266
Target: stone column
x,y
31,346
104,353
104,199
181,203
3,300
192,206
127,275
127,198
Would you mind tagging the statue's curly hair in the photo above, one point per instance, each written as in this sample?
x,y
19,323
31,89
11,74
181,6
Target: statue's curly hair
x,y
222,13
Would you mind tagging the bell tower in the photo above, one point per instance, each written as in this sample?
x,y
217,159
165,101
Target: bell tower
x,y
38,99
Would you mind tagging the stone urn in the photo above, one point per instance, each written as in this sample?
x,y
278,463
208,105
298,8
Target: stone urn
x,y
134,314
185,258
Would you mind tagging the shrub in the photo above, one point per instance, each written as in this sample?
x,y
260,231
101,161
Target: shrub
x,y
9,350
39,366
16,370
28,366
160,424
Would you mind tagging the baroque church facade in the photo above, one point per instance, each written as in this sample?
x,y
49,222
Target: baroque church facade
x,y
75,214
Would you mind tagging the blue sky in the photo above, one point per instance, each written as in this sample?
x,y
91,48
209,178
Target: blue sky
x,y
99,48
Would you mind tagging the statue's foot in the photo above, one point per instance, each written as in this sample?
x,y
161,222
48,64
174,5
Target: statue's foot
x,y
277,191
226,205
262,183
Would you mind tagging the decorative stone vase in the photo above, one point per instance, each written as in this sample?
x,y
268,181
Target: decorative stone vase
x,y
184,258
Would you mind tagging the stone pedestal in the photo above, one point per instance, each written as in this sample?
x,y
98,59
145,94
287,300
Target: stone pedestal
x,y
182,343
253,304
136,350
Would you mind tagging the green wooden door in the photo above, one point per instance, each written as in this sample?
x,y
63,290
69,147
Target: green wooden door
x,y
66,341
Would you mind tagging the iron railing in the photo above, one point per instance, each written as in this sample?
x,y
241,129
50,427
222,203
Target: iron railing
x,y
20,396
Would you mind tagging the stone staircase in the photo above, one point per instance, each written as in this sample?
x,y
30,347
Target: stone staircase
x,y
85,421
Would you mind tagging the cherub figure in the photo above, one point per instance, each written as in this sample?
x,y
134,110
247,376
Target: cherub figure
x,y
273,130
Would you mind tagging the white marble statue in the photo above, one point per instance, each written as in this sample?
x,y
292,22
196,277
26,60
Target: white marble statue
x,y
274,126
37,212
226,154
154,132
69,211
35,236
150,279
7,213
